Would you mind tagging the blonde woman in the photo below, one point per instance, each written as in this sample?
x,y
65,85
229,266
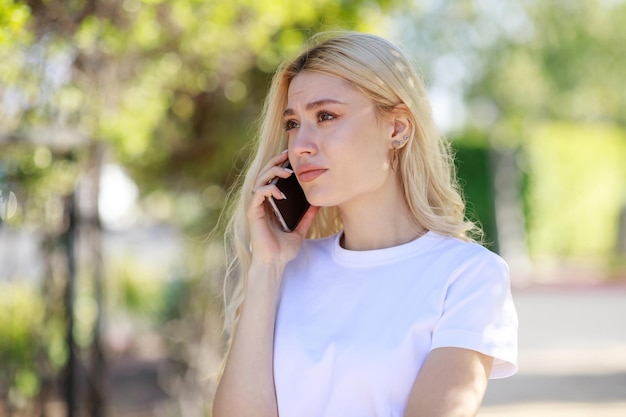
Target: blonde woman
x,y
379,303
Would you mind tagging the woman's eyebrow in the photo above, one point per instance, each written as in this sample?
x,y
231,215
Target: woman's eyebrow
x,y
314,105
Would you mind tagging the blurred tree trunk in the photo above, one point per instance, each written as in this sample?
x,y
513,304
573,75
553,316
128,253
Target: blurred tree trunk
x,y
91,234
69,238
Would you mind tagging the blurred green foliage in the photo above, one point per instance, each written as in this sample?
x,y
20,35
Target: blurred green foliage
x,y
21,315
31,345
141,290
577,187
172,88
13,19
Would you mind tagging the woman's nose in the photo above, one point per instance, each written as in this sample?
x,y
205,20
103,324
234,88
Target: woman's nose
x,y
304,141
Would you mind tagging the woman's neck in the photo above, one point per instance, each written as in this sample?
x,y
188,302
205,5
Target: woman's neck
x,y
379,222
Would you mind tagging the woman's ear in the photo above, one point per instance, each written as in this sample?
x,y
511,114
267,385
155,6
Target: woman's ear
x,y
401,122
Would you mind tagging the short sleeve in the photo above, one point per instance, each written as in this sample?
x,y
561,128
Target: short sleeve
x,y
479,314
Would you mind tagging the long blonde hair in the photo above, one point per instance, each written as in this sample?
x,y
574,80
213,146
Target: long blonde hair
x,y
381,71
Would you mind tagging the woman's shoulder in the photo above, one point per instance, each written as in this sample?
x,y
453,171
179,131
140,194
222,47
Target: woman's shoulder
x,y
461,253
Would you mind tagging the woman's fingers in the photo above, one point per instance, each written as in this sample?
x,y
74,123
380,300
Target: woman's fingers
x,y
263,187
267,177
272,170
263,192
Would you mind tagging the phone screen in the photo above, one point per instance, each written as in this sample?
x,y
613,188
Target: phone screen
x,y
289,212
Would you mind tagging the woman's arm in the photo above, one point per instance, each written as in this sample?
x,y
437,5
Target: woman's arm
x,y
247,385
451,383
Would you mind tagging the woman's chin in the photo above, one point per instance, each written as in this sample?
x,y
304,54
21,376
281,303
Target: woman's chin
x,y
319,202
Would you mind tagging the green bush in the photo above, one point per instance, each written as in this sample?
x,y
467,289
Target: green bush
x,y
576,189
21,325
474,174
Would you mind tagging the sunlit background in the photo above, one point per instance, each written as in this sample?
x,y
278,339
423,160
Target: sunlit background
x,y
124,124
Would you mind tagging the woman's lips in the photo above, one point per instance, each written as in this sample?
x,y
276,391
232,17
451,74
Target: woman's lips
x,y
307,174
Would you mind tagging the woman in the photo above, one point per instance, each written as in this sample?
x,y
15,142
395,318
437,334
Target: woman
x,y
379,303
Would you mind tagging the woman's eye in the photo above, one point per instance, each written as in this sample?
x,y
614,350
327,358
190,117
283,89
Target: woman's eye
x,y
324,116
290,124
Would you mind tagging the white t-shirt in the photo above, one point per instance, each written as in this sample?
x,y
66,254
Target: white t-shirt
x,y
354,327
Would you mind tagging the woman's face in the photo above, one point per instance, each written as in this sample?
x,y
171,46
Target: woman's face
x,y
338,146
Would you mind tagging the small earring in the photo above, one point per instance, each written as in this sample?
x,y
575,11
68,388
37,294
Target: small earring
x,y
397,144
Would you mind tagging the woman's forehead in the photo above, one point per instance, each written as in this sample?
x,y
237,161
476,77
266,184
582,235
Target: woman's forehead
x,y
311,87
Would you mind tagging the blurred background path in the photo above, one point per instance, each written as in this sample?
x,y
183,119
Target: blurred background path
x,y
572,355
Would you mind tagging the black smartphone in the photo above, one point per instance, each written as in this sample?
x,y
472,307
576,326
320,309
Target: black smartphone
x,y
289,211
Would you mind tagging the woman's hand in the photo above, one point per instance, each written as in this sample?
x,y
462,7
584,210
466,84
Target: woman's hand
x,y
247,384
270,244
